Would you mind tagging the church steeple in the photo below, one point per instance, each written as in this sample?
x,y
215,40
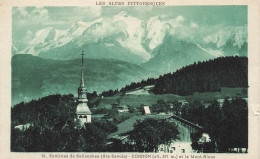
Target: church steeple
x,y
82,74
83,112
82,90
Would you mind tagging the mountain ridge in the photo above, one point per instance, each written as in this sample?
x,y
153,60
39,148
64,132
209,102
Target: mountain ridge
x,y
134,40
34,77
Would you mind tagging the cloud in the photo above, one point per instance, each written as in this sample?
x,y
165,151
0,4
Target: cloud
x,y
142,10
107,28
194,25
28,36
30,15
95,11
180,18
180,27
87,12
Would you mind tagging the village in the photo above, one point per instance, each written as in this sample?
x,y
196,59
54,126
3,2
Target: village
x,y
184,115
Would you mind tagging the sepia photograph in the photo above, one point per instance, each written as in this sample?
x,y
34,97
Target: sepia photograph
x,y
121,79
129,79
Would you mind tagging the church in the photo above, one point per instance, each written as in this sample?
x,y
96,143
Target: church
x,y
83,111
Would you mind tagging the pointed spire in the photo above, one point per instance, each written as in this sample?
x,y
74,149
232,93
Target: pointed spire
x,y
82,90
82,75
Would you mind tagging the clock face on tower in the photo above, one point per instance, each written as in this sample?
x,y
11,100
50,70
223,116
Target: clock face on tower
x,y
83,95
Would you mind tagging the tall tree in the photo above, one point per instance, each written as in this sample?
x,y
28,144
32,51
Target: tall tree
x,y
150,133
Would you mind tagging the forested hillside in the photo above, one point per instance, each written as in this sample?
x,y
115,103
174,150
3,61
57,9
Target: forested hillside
x,y
207,76
53,110
53,127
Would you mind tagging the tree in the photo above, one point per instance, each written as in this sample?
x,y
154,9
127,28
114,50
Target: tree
x,y
17,140
131,109
208,76
106,125
161,106
112,113
194,112
150,133
236,121
195,142
53,127
92,138
227,127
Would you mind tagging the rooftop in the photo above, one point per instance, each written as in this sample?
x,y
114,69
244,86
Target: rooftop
x,y
82,108
128,124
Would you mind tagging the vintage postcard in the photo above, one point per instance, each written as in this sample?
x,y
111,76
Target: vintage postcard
x,y
130,79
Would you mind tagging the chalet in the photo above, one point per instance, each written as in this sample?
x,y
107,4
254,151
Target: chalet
x,y
185,127
183,144
128,125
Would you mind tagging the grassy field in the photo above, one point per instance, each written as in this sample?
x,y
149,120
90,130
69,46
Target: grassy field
x,y
137,100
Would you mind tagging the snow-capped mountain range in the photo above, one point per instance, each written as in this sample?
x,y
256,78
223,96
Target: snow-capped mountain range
x,y
137,41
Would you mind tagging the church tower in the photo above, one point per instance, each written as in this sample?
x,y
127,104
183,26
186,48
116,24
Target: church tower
x,y
83,112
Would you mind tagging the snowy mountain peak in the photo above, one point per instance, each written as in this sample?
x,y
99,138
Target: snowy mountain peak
x,y
135,39
122,14
237,35
81,23
42,35
156,31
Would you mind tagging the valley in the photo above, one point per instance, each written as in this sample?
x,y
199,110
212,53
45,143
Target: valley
x,y
34,77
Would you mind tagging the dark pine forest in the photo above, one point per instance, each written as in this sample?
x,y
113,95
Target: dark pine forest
x,y
207,76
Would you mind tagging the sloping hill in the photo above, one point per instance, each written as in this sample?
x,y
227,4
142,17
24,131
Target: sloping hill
x,y
207,76
34,77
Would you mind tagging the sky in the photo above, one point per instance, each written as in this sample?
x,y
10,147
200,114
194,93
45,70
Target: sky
x,y
28,20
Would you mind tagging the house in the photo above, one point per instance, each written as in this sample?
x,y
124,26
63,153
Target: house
x,y
183,144
122,108
147,110
128,125
176,147
246,99
175,110
205,138
185,127
183,102
221,101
